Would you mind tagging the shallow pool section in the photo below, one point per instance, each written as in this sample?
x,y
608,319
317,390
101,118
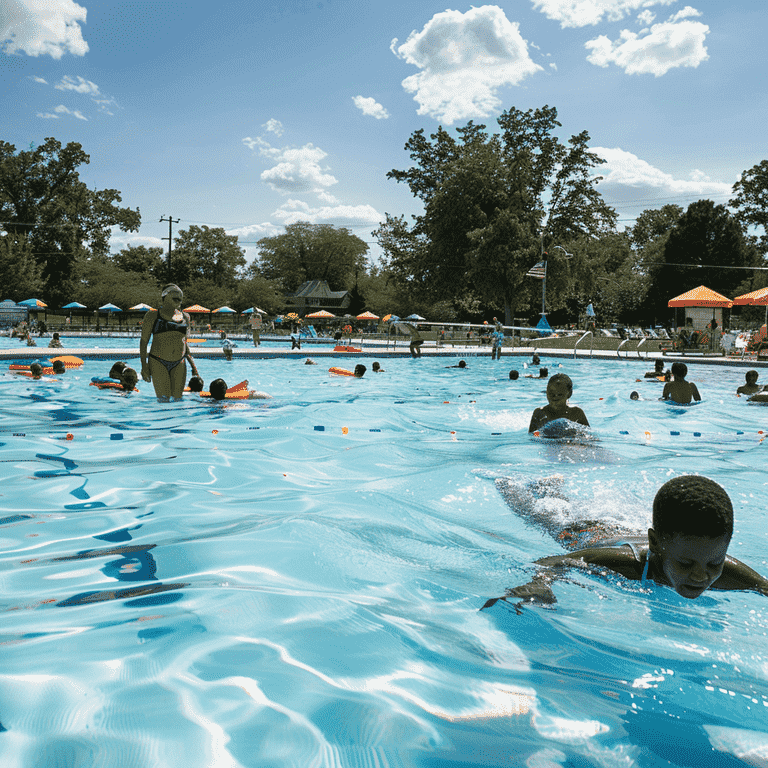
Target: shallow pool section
x,y
297,582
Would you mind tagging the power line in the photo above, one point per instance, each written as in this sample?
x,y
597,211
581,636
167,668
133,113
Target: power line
x,y
171,222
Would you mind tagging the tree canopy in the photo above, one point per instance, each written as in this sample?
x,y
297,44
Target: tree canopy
x,y
492,205
44,203
751,200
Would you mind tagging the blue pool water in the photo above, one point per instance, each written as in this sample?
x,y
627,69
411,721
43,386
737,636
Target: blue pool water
x,y
297,582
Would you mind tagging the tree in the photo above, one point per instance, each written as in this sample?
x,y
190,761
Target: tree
x,y
210,255
492,205
654,223
312,252
43,200
101,281
257,291
706,247
20,274
751,201
139,258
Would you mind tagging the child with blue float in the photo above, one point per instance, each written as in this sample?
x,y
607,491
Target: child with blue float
x,y
559,389
686,549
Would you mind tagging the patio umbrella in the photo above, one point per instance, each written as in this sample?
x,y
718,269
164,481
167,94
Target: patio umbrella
x,y
253,309
590,310
76,305
34,304
367,316
141,307
386,318
701,297
197,308
754,298
109,309
225,310
416,317
322,314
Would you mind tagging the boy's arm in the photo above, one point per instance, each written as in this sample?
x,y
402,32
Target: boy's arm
x,y
538,417
695,392
739,576
580,417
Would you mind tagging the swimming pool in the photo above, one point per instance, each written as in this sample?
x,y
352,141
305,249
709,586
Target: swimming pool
x,y
297,582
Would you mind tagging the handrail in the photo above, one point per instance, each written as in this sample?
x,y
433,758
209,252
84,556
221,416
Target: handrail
x,y
584,336
642,341
624,341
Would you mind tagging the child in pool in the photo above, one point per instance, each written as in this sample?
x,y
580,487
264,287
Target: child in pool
x,y
679,390
751,387
686,548
559,389
543,373
658,370
218,391
376,367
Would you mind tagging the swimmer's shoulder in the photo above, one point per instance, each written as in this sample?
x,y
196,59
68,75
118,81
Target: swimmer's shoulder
x,y
619,558
739,576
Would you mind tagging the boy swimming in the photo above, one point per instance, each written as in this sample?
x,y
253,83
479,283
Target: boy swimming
x,y
685,549
751,387
559,389
679,390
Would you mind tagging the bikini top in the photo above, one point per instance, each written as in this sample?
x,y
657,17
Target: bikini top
x,y
162,325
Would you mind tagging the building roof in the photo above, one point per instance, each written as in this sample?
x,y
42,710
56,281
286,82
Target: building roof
x,y
316,289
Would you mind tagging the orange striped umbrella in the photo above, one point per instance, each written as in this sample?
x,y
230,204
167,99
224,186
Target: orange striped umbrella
x,y
700,297
196,308
760,296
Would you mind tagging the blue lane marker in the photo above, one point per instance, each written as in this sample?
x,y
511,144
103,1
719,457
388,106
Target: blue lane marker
x,y
116,436
374,430
319,429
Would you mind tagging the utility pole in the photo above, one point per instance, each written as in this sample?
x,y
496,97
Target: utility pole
x,y
171,221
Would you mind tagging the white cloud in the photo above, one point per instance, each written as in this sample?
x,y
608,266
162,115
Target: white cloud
x,y
369,106
641,180
62,110
582,13
275,126
39,80
673,43
464,59
48,115
42,27
645,18
297,169
81,85
339,215
256,231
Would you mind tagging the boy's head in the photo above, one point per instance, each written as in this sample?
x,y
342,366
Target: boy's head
x,y
227,352
58,366
535,360
559,388
376,367
129,378
751,377
634,395
544,372
679,370
462,363
56,335
36,370
692,528
196,384
659,365
360,370
218,389
117,369
514,375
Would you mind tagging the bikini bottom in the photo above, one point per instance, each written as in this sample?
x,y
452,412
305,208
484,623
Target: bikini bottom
x,y
169,364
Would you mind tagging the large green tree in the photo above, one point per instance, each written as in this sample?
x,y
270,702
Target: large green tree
x,y
20,274
312,252
43,200
706,246
751,200
140,258
206,254
492,205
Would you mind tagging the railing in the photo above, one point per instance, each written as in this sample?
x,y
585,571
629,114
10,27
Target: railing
x,y
591,346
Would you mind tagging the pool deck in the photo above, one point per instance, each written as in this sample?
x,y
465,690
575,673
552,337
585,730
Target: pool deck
x,y
371,349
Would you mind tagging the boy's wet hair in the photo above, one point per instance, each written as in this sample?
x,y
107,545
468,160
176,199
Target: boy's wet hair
x,y
692,505
59,366
36,369
462,364
129,378
360,370
680,370
218,389
513,374
558,377
376,366
196,384
544,372
117,369
659,364
751,377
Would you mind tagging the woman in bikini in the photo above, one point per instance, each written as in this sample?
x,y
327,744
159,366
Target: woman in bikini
x,y
168,326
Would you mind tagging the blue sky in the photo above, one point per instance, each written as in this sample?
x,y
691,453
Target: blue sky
x,y
252,115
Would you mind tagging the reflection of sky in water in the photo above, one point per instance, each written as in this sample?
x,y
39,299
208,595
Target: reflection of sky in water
x,y
298,581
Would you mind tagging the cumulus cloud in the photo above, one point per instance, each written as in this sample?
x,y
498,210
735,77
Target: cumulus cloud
x,y
296,169
256,231
645,18
42,27
81,85
274,126
338,215
62,110
369,106
464,59
39,80
677,42
640,180
582,13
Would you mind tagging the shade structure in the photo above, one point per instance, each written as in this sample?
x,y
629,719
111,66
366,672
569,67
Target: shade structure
x,y
590,310
197,308
74,305
321,314
250,310
760,296
700,297
110,308
140,307
225,310
34,304
367,316
386,318
291,316
416,317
